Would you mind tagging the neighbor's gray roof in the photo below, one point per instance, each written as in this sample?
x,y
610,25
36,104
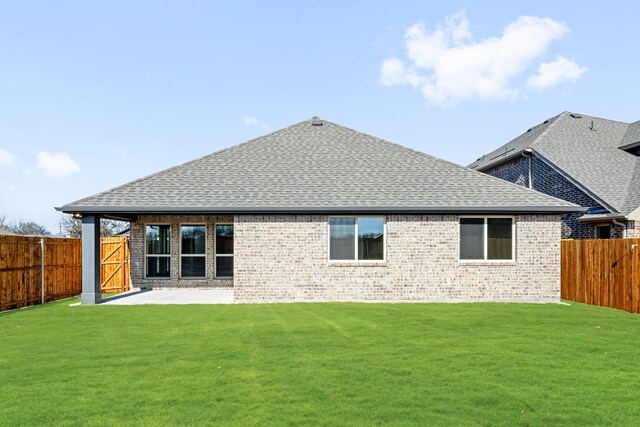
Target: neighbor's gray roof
x,y
515,147
594,159
328,168
632,136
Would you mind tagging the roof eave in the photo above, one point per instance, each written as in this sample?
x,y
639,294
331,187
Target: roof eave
x,y
499,162
140,210
600,218
630,146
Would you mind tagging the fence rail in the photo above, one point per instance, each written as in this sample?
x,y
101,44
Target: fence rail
x,y
22,275
604,272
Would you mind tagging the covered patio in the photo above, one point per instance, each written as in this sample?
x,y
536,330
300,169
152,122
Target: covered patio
x,y
213,283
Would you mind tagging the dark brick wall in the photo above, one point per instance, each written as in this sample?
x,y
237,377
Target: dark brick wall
x,y
548,181
516,171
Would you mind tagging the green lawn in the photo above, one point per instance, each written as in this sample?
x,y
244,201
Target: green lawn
x,y
326,364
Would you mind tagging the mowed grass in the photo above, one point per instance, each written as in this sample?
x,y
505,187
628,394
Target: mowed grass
x,y
320,364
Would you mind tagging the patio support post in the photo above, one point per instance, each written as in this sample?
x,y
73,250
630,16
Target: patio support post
x,y
91,260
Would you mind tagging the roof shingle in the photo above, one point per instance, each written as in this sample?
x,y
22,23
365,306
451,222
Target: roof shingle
x,y
318,168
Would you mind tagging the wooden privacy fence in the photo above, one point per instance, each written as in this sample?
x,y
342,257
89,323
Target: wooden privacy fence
x,y
602,272
22,275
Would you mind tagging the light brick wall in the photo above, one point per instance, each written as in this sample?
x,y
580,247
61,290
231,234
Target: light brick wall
x,y
284,258
137,237
633,229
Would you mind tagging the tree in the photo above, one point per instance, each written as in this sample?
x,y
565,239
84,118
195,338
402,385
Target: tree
x,y
4,226
24,228
29,229
111,227
72,227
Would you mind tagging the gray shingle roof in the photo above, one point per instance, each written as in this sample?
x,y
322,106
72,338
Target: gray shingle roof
x,y
632,135
513,147
591,157
325,168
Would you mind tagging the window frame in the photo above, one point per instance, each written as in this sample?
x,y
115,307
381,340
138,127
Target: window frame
x,y
215,248
147,255
355,254
205,255
597,234
485,238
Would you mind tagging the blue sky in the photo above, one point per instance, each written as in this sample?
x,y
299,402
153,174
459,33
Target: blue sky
x,y
95,94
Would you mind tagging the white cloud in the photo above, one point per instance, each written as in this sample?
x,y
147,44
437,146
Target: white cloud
x,y
56,165
448,65
251,122
6,158
555,72
394,73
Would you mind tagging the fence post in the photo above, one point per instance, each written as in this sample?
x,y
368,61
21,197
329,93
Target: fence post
x,y
42,271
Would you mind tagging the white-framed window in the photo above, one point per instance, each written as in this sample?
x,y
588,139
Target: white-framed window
x,y
193,250
490,238
224,250
157,251
357,238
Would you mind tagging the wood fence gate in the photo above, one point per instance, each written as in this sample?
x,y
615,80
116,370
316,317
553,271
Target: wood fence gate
x,y
604,272
114,264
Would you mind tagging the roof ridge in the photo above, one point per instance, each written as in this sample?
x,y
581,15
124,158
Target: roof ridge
x,y
546,131
601,118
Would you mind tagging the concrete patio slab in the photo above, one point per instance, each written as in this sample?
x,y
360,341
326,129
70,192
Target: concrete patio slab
x,y
172,296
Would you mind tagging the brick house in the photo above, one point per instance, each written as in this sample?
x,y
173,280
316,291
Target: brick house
x,y
589,161
320,212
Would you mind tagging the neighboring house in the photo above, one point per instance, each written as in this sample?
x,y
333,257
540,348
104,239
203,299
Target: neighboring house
x,y
320,212
589,161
